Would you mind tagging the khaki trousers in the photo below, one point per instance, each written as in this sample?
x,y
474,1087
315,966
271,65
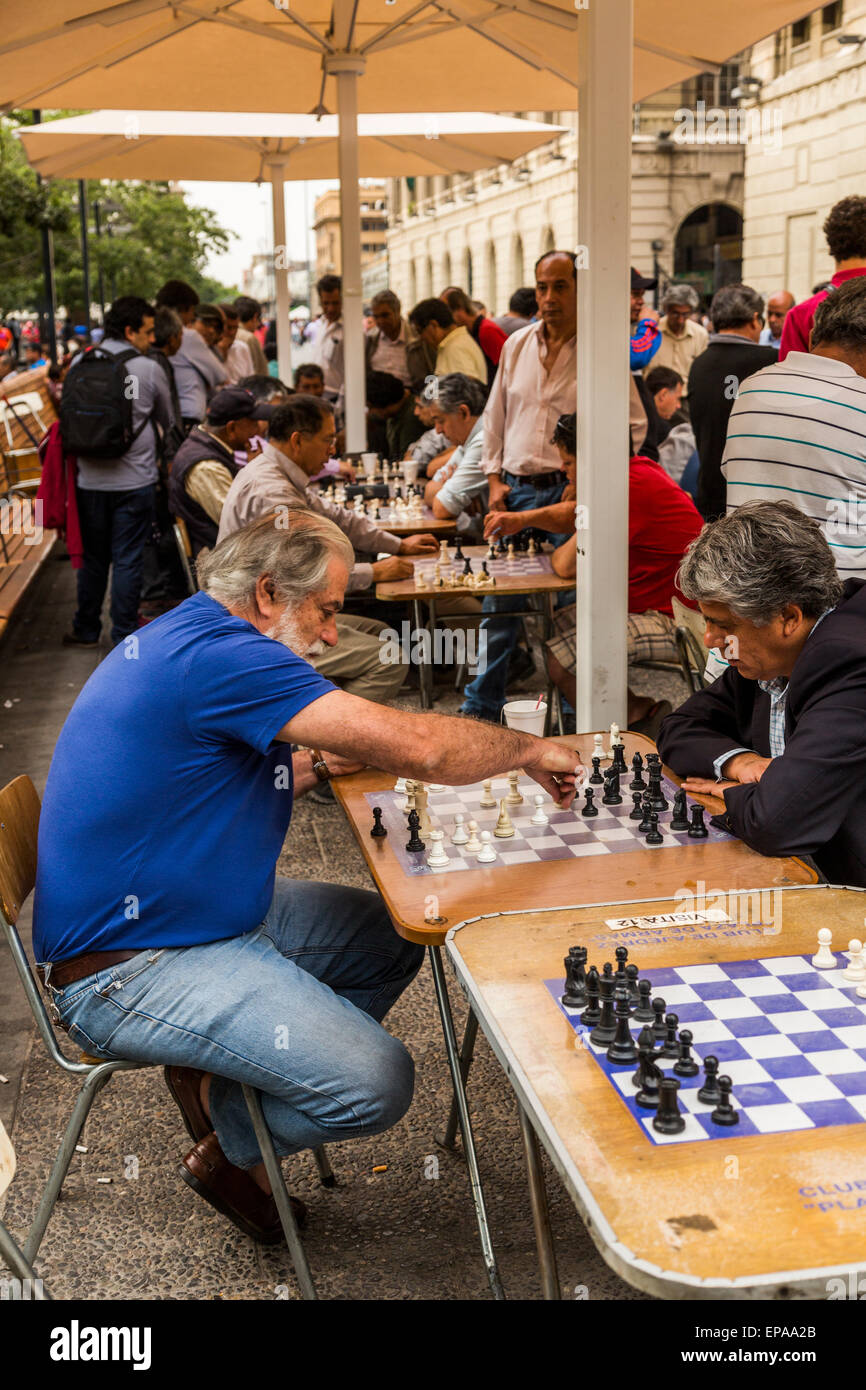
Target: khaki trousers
x,y
356,664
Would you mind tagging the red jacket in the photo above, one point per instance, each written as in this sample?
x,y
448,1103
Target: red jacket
x,y
798,321
57,494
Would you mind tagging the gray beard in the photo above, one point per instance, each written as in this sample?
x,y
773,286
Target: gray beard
x,y
285,631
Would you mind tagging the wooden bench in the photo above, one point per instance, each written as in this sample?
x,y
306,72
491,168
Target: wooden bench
x,y
25,404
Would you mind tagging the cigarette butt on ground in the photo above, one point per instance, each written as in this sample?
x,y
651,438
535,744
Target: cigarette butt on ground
x,y
103,1180
381,1168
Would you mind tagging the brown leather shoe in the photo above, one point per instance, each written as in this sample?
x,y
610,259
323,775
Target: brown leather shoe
x,y
185,1086
234,1194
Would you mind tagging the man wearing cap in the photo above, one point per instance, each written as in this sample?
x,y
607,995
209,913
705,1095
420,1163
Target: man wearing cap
x,y
204,466
645,334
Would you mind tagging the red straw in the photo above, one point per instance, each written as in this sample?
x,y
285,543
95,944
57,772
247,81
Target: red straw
x,y
540,698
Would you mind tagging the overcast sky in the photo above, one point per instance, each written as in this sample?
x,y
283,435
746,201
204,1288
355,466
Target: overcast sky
x,y
245,208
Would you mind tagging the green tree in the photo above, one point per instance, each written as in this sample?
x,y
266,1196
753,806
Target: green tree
x,y
150,234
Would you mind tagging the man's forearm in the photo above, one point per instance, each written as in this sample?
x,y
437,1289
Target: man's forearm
x,y
558,517
303,776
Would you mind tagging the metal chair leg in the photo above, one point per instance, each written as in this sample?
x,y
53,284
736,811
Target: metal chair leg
x,y
467,1051
465,1122
21,1268
323,1164
540,1211
280,1194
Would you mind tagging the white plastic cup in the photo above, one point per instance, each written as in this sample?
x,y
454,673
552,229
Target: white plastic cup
x,y
370,462
409,469
525,716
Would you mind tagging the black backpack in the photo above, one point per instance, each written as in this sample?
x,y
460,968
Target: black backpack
x,y
96,408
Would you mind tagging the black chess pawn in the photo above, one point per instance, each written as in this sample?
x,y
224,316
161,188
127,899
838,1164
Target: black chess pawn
x,y
622,1051
484,569
637,784
724,1113
680,818
596,777
685,1065
636,812
416,844
631,974
654,835
670,1046
697,829
590,809
604,1031
611,795
660,1031
378,832
621,955
709,1092
467,568
458,553
398,493
646,824
656,795
668,1119
501,547
592,1012
607,971
644,1012
575,978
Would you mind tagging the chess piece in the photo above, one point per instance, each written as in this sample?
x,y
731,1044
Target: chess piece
x,y
575,978
657,798
856,968
540,818
670,1046
611,795
668,1119
491,551
409,804
680,817
604,1031
378,831
473,844
592,1012
515,796
614,739
416,844
486,854
510,551
685,1065
437,858
709,1094
596,778
654,835
621,954
637,784
824,958
589,809
598,749
488,800
644,1011
420,579
646,824
400,786
724,1113
622,1051
648,1074
458,834
659,1027
504,828
697,829
467,568
619,762
531,547
636,813
631,974
424,823
458,553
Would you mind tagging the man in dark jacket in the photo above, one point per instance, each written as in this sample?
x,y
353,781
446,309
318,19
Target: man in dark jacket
x,y
204,466
781,734
734,353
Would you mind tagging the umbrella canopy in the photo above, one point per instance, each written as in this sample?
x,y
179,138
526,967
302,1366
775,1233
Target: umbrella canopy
x,y
241,147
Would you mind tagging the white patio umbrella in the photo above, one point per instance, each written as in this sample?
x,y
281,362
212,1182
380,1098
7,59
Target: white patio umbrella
x,y
252,146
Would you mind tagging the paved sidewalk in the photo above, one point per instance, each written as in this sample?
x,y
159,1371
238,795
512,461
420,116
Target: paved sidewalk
x,y
405,1233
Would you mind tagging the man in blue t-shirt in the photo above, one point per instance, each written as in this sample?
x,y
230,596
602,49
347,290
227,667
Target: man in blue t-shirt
x,y
161,928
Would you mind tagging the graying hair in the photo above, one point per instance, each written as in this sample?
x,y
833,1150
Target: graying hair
x,y
734,305
456,389
841,317
758,559
291,544
680,294
386,297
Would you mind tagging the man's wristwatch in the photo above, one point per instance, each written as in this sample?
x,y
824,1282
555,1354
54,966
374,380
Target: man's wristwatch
x,y
320,767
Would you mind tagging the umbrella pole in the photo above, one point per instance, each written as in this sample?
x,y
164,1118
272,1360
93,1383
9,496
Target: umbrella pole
x,y
281,272
346,69
604,232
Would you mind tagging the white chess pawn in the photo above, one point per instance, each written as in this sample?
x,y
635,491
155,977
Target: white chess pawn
x,y
473,844
539,818
510,552
861,990
458,834
598,747
515,796
420,579
856,970
486,854
824,958
531,548
487,798
437,858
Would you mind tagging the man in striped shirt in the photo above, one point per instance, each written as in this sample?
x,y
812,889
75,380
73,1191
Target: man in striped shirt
x,y
797,431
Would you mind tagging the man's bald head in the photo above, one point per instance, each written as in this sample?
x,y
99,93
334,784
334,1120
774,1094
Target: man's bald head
x,y
778,307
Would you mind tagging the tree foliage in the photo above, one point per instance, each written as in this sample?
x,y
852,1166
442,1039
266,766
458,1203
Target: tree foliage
x,y
150,234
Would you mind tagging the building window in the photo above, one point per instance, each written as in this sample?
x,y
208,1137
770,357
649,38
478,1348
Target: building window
x,y
800,32
831,17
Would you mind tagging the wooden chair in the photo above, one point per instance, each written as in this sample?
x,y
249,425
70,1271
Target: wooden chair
x,y
23,422
184,550
19,826
689,637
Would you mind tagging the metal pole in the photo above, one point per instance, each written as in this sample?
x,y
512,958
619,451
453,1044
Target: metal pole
x,y
47,332
85,247
540,1211
281,273
604,218
99,274
347,69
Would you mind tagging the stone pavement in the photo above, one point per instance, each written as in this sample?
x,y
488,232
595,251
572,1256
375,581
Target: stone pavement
x,y
405,1233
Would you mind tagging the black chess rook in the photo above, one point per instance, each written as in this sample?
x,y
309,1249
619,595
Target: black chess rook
x,y
669,1119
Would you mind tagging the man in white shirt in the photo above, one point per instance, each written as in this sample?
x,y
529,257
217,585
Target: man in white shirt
x,y
329,341
779,305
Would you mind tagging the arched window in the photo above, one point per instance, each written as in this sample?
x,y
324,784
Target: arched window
x,y
517,271
708,248
491,299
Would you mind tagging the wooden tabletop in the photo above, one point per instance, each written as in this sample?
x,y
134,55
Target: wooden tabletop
x,y
753,1215
414,901
436,526
517,583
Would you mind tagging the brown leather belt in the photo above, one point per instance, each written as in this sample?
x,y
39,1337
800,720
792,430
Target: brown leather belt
x,y
66,972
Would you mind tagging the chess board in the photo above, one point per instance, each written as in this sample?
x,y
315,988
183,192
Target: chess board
x,y
568,834
521,563
791,1038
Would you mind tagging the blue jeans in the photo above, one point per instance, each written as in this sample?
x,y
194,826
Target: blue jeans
x,y
114,529
292,1008
485,695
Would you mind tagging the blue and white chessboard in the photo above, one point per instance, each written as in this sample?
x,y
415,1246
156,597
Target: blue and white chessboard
x,y
791,1038
567,835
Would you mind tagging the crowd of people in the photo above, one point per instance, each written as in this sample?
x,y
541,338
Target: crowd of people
x,y
745,449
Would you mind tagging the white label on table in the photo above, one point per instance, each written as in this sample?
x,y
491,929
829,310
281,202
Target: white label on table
x,y
669,919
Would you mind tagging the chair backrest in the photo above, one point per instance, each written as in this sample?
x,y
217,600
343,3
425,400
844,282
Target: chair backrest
x,y
690,642
689,618
184,550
